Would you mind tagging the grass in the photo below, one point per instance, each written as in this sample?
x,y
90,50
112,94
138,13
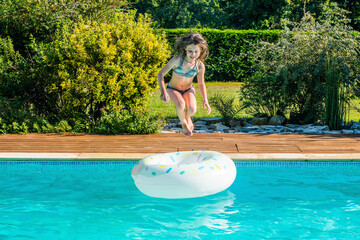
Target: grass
x,y
166,110
355,113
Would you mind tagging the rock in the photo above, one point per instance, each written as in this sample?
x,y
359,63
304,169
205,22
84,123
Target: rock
x,y
200,123
252,128
172,120
245,124
346,131
200,131
170,125
323,128
212,120
234,123
179,130
202,126
212,126
332,132
220,127
311,130
277,120
287,130
259,121
355,125
293,126
238,129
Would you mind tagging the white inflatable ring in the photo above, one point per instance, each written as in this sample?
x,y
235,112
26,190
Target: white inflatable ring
x,y
184,174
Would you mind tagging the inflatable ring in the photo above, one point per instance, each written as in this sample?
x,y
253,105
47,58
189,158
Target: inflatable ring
x,y
184,174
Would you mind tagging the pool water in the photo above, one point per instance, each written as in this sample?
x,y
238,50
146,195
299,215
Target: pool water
x,y
98,200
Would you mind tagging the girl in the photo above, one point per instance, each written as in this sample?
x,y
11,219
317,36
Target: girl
x,y
189,63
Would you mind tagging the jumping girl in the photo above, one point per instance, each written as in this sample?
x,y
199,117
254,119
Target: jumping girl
x,y
193,50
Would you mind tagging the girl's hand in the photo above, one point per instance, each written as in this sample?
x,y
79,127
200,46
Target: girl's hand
x,y
207,106
165,97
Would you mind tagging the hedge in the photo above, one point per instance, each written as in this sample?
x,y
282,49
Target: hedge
x,y
228,59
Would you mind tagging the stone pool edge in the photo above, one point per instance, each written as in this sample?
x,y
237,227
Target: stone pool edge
x,y
136,156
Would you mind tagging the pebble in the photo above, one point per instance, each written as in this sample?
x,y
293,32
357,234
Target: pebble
x,y
215,125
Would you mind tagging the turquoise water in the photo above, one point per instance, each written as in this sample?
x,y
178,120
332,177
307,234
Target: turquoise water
x,y
98,200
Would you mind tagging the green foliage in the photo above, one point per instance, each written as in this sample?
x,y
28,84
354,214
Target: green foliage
x,y
293,70
23,20
19,118
263,94
11,64
236,14
105,65
228,60
255,14
184,14
336,97
96,62
226,107
220,14
16,116
296,9
132,121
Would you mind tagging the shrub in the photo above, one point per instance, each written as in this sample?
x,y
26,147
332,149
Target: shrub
x,y
292,72
226,107
23,20
105,65
132,121
10,69
17,116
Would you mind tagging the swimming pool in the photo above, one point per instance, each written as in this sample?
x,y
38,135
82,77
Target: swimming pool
x,y
98,200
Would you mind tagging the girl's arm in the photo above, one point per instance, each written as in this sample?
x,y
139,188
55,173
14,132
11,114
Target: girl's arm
x,y
170,65
202,87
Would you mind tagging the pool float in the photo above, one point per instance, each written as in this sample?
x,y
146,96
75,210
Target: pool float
x,y
184,174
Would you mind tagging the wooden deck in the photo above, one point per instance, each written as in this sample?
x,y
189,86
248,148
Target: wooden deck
x,y
160,143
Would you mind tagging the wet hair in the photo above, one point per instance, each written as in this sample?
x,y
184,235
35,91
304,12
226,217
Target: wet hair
x,y
192,38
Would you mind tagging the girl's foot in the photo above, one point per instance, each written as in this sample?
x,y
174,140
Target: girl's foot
x,y
190,124
187,131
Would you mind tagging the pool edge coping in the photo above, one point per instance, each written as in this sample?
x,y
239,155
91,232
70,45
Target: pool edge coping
x,y
137,156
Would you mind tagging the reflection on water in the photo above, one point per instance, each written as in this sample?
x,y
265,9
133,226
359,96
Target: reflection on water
x,y
185,218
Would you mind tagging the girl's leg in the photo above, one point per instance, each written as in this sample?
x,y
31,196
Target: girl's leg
x,y
179,102
190,104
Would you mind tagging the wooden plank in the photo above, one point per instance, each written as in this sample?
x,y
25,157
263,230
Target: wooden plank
x,y
223,142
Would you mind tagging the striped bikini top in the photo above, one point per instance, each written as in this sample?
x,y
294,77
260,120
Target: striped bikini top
x,y
191,73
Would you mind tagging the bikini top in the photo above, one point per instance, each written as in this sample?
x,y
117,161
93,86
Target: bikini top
x,y
191,73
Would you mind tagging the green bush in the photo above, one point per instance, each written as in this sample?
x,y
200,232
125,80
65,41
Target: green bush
x,y
11,65
105,65
226,107
17,116
23,20
129,121
290,75
228,60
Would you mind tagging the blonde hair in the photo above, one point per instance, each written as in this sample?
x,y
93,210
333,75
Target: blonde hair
x,y
192,38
